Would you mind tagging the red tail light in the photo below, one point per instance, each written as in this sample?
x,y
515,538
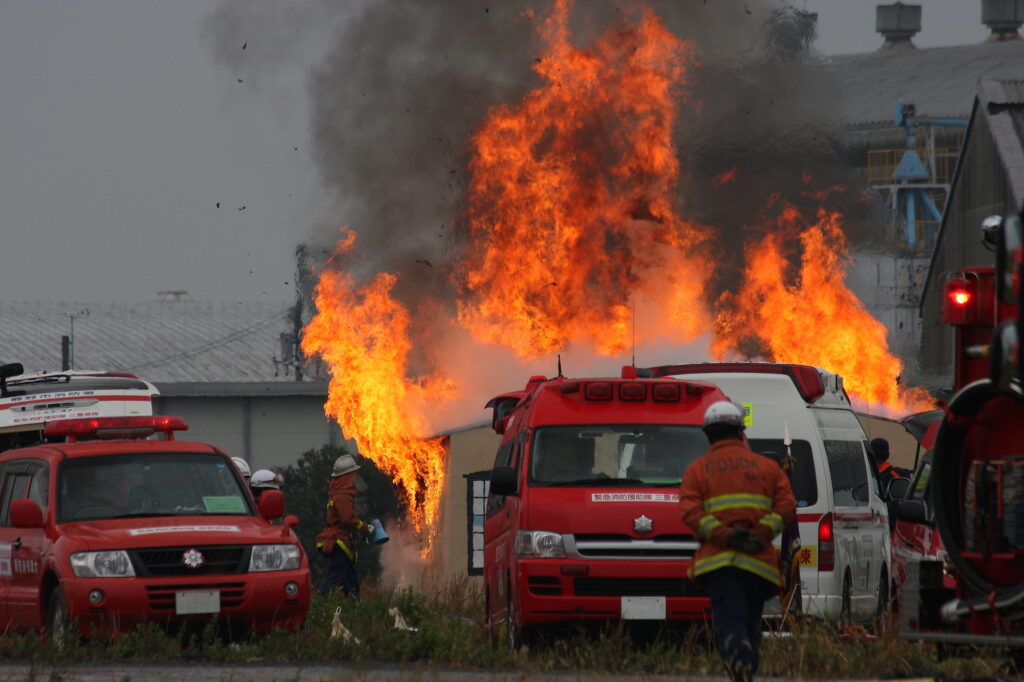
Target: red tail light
x,y
114,427
826,544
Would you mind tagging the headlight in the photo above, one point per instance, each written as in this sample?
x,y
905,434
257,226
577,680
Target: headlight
x,y
542,544
113,564
274,557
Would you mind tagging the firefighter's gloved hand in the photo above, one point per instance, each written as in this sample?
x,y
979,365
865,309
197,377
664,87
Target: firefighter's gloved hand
x,y
744,541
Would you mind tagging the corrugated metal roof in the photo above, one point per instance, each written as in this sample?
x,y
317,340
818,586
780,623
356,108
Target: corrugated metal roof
x,y
940,81
166,341
1002,101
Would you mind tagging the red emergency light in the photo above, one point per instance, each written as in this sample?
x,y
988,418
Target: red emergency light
x,y
114,427
960,303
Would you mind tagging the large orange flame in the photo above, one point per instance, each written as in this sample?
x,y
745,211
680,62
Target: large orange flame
x,y
363,336
572,215
816,320
571,197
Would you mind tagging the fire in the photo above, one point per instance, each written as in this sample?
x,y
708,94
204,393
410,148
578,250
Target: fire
x,y
816,320
570,204
362,334
573,220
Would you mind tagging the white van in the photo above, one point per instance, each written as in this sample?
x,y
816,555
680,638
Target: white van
x,y
844,524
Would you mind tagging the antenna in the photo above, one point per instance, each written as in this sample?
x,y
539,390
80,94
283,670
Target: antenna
x,y
559,365
632,322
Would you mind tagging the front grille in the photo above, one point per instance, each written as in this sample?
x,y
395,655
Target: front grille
x,y
636,587
167,561
161,597
607,546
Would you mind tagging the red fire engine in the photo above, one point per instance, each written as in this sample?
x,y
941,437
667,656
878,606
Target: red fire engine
x,y
582,520
976,486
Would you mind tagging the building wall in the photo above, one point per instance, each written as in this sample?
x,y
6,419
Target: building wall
x,y
980,190
889,284
470,450
268,432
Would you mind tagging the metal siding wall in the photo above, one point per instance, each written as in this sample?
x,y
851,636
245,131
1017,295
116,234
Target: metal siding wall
x,y
216,421
981,191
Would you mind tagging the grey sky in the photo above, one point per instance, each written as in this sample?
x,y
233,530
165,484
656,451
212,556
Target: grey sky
x,y
121,130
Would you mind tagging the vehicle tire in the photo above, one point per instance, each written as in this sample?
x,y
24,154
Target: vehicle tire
x,y
882,611
58,623
846,613
513,631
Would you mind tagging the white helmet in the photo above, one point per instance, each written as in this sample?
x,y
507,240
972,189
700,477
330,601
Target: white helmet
x,y
343,465
724,413
265,478
242,466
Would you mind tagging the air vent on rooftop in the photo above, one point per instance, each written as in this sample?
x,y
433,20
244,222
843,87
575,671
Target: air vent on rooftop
x,y
897,23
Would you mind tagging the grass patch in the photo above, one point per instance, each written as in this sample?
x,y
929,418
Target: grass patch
x,y
450,633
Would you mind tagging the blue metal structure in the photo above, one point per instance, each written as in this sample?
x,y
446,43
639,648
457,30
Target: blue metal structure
x,y
914,180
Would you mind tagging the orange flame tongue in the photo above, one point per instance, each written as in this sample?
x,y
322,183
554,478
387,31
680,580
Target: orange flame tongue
x,y
817,321
363,336
570,197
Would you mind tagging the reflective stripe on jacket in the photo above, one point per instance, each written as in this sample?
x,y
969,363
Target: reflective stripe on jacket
x,y
734,487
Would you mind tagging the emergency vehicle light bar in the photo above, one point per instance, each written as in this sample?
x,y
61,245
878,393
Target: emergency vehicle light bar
x,y
114,427
806,378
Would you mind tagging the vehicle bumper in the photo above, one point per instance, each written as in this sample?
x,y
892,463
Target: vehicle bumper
x,y
255,601
546,595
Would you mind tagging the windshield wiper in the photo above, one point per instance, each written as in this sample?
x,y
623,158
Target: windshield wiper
x,y
601,482
136,515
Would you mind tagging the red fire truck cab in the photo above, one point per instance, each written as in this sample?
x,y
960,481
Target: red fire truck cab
x,y
107,529
582,519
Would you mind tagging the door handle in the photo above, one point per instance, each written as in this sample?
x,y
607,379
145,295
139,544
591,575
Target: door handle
x,y
16,544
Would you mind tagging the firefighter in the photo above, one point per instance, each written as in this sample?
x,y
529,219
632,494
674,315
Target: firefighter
x,y
737,501
885,469
243,468
337,540
263,480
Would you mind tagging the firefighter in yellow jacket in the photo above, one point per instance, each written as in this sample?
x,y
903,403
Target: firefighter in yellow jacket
x,y
736,501
338,540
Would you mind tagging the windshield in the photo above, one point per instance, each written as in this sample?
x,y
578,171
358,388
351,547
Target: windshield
x,y
139,485
614,455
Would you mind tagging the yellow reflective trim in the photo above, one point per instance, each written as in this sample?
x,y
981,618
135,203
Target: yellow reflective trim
x,y
722,502
348,552
706,526
737,560
773,521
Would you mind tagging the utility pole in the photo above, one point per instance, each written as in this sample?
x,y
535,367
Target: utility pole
x,y
70,356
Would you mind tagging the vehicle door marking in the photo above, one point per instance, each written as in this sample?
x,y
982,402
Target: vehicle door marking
x,y
672,498
183,529
5,560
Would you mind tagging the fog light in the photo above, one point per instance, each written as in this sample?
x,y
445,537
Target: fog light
x,y
96,596
291,589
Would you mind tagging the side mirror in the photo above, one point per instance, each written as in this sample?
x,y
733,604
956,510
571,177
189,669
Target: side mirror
x,y
25,513
912,511
897,488
504,481
290,522
271,504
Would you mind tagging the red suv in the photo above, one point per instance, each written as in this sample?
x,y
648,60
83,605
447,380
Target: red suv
x,y
108,529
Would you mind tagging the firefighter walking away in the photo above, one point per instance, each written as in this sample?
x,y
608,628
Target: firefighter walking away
x,y
736,501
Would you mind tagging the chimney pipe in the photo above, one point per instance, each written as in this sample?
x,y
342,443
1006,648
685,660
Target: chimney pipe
x,y
1003,18
897,23
65,353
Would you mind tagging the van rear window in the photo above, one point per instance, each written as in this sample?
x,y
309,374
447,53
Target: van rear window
x,y
801,477
847,465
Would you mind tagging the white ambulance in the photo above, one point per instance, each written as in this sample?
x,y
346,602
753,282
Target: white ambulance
x,y
29,401
805,412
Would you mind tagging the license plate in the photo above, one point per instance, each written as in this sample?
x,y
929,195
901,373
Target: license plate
x,y
196,601
643,608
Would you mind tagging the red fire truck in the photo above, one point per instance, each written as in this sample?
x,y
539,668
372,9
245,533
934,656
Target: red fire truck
x,y
976,485
582,519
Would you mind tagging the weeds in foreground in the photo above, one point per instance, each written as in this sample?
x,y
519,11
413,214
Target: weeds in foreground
x,y
449,632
